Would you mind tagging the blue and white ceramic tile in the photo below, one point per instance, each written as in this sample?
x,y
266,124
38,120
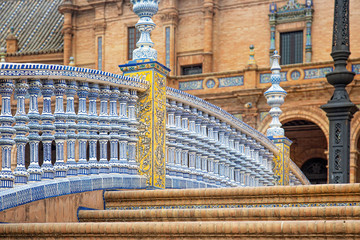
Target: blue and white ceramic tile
x,y
231,81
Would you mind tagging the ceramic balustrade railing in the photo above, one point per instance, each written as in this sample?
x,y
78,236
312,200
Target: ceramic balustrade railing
x,y
207,145
83,138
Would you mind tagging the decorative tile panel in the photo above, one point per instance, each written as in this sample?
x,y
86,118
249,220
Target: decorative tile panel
x,y
295,75
317,72
210,83
191,85
208,206
231,81
356,68
265,77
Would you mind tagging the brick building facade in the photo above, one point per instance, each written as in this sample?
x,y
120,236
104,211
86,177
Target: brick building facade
x,y
206,45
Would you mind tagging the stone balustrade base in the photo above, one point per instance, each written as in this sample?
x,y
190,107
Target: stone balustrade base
x,y
23,194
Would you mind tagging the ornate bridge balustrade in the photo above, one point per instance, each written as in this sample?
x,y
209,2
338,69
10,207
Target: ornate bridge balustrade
x,y
68,126
79,129
208,147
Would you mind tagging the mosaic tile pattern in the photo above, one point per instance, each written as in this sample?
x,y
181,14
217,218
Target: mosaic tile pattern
x,y
210,83
68,72
356,68
330,204
265,77
295,75
317,72
23,194
231,81
191,85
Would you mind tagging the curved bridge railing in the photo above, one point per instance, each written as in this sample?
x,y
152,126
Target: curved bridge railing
x,y
209,145
66,129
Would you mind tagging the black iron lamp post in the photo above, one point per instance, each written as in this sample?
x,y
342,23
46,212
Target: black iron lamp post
x,y
339,108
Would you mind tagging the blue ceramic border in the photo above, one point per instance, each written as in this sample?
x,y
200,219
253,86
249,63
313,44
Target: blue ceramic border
x,y
64,72
31,192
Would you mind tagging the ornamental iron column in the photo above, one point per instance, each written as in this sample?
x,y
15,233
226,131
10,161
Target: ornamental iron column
x,y
340,109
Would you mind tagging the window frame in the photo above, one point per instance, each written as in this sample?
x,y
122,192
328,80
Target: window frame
x,y
191,66
294,47
131,42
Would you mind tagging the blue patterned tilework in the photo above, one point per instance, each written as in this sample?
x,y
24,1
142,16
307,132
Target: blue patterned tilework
x,y
31,192
203,206
173,182
356,68
295,75
210,83
317,72
68,72
191,85
231,81
265,77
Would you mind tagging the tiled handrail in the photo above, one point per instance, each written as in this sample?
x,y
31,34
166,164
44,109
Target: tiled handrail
x,y
44,71
87,134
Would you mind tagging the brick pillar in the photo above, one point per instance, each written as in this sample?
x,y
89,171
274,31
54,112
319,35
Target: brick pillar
x,y
152,120
208,9
66,9
354,165
170,19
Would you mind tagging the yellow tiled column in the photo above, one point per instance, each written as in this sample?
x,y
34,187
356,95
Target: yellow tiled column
x,y
152,120
282,161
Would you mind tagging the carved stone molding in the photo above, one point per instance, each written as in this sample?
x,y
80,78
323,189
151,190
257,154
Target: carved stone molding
x,y
171,17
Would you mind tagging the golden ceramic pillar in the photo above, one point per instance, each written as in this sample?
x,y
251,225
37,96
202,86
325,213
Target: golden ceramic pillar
x,y
152,120
282,160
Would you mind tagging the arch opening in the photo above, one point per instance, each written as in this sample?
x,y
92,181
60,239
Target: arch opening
x,y
309,141
315,170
